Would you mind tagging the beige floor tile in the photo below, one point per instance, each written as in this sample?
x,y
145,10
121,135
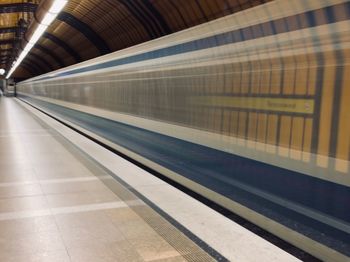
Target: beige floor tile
x,y
18,169
13,153
112,252
14,159
55,256
44,159
83,219
86,236
80,198
11,167
10,144
62,171
40,148
77,167
69,157
19,228
37,242
42,140
20,191
71,187
16,174
23,204
42,144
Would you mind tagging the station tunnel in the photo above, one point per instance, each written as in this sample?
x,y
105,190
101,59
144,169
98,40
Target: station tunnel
x,y
175,130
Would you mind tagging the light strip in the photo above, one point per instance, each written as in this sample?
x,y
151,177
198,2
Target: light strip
x,y
49,17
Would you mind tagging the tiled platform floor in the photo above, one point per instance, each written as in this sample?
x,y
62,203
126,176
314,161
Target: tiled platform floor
x,y
56,205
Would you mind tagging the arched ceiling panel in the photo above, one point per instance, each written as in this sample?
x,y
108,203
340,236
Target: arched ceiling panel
x,y
148,16
58,50
50,52
86,30
24,73
125,29
42,56
75,39
42,61
70,50
30,67
89,28
36,64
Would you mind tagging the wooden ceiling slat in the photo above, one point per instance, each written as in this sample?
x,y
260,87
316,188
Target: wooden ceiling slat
x,y
88,28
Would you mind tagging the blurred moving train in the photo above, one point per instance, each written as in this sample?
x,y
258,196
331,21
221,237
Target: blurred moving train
x,y
251,110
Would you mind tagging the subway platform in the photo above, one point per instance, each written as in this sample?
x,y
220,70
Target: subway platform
x,y
65,198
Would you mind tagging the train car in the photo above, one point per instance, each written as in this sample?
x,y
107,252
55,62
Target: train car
x,y
250,110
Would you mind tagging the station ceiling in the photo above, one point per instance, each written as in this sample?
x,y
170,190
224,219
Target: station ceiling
x,y
15,16
89,28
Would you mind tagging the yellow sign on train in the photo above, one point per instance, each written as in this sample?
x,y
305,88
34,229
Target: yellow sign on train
x,y
290,105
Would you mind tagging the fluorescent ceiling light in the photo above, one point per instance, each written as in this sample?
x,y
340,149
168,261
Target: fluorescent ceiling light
x,y
28,47
49,17
37,34
2,71
21,57
57,6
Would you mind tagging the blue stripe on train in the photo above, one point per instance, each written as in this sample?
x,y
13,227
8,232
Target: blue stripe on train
x,y
220,172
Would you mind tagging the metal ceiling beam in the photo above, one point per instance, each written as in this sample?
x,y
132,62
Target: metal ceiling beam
x,y
29,68
14,29
6,55
41,59
18,7
36,65
148,16
64,45
37,68
5,50
6,41
86,30
50,53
